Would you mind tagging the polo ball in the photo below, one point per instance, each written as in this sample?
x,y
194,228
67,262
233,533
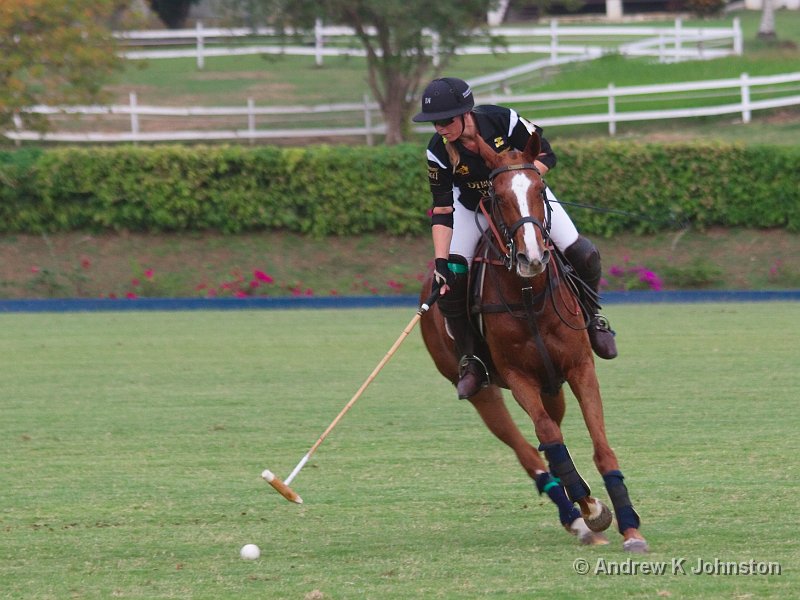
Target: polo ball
x,y
250,552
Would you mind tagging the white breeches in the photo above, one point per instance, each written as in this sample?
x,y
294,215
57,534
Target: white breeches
x,y
466,233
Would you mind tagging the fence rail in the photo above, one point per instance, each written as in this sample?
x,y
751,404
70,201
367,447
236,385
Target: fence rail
x,y
666,43
365,120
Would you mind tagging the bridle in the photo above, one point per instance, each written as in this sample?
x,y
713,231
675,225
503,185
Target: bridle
x,y
503,233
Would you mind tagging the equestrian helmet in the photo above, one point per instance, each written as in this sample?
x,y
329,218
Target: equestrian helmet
x,y
445,98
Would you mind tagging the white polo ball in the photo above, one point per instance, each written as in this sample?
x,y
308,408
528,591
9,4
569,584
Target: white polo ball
x,y
250,552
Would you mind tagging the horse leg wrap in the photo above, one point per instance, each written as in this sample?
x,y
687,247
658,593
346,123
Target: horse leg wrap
x,y
623,508
561,466
567,511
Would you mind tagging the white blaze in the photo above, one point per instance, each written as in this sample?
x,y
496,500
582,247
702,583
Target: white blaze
x,y
520,185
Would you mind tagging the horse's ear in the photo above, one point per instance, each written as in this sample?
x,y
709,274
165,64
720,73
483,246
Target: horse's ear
x,y
533,147
487,153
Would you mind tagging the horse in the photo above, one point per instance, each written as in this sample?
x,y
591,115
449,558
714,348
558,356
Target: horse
x,y
534,329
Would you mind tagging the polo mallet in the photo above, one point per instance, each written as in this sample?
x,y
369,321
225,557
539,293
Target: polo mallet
x,y
283,486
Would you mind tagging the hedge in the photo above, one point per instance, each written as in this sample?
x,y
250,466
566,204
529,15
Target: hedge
x,y
339,190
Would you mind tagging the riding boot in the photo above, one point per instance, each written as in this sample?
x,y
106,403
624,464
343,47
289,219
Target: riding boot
x,y
585,259
472,372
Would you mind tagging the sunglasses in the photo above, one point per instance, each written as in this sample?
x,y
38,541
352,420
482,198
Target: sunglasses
x,y
444,122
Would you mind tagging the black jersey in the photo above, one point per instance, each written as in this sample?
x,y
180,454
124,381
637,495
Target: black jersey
x,y
502,128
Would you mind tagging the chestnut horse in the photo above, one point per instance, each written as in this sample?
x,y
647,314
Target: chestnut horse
x,y
535,334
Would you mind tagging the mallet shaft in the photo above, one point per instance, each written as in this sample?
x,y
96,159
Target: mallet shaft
x,y
283,487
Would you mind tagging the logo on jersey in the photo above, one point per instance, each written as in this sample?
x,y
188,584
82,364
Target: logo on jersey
x,y
498,141
433,173
462,170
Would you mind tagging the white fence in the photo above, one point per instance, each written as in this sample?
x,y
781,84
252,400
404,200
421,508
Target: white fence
x,y
666,43
771,92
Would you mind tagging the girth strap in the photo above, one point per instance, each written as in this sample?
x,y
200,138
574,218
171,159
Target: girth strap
x,y
553,382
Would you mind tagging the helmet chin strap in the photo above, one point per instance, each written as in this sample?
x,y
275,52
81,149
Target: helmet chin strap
x,y
463,125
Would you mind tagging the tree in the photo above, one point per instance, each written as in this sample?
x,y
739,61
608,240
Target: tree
x,y
173,13
52,52
391,32
766,29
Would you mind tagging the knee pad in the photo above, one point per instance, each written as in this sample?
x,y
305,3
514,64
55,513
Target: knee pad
x,y
454,302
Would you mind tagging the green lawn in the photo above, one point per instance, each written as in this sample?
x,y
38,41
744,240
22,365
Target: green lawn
x,y
132,445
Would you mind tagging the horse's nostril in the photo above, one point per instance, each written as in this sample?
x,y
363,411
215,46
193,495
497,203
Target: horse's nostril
x,y
522,259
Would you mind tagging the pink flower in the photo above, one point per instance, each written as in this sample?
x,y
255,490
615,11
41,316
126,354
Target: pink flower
x,y
254,284
240,294
261,276
148,273
309,292
394,284
35,269
616,271
131,296
201,286
135,282
334,293
86,263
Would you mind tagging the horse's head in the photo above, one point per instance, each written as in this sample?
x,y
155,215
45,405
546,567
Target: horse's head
x,y
518,203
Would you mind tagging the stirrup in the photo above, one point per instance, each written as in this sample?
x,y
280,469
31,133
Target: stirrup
x,y
465,387
600,322
601,337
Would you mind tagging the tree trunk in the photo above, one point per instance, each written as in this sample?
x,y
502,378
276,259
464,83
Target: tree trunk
x,y
395,114
766,30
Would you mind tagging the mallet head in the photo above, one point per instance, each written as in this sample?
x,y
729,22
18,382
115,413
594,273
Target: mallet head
x,y
283,489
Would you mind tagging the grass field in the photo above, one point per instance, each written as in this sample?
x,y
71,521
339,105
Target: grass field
x,y
132,445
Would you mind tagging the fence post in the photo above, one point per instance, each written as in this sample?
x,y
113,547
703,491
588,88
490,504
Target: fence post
x,y
612,111
17,127
662,49
368,120
678,40
553,40
701,44
746,114
251,120
134,116
318,42
435,48
201,61
738,43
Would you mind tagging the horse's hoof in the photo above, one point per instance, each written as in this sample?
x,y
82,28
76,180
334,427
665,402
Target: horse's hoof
x,y
599,518
586,536
636,545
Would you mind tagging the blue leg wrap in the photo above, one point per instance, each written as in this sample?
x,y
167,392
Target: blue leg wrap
x,y
567,511
623,508
561,466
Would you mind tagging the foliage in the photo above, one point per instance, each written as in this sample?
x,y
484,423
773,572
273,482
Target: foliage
x,y
325,190
699,273
705,8
53,52
173,13
391,32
